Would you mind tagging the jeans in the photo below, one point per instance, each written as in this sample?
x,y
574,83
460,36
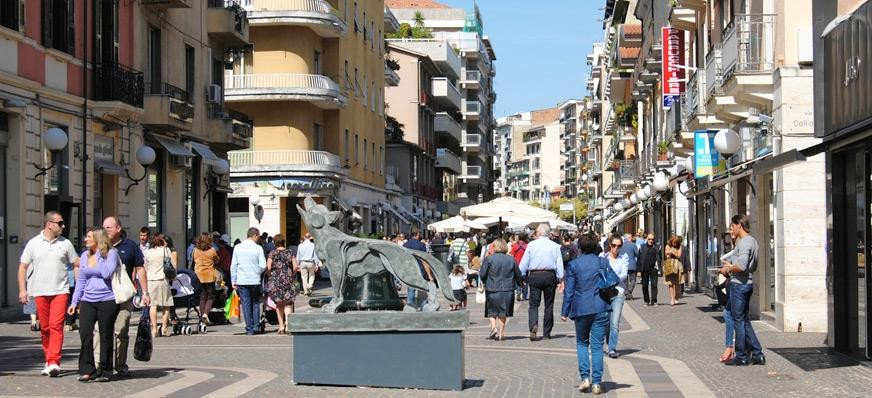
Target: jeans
x,y
590,330
631,283
523,289
249,300
614,321
650,278
730,333
122,336
51,311
102,313
542,282
746,339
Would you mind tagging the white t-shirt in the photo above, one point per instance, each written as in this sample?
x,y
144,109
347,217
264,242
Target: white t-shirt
x,y
47,265
457,281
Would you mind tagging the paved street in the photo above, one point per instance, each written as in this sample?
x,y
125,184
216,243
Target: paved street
x,y
666,352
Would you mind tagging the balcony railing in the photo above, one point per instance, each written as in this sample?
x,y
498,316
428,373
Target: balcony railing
x,y
713,72
317,14
628,171
240,19
116,82
294,86
286,157
443,122
471,171
181,106
448,160
445,91
471,140
749,45
280,80
472,107
692,104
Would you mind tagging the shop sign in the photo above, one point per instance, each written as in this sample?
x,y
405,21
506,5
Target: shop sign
x,y
847,81
104,149
309,184
706,159
673,63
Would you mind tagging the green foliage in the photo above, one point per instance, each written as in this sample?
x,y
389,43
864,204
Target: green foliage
x,y
407,31
627,115
393,129
580,208
663,146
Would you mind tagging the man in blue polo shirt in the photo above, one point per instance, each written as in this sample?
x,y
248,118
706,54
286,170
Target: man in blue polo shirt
x,y
131,256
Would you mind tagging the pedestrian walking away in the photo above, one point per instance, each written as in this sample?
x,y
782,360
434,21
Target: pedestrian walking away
x,y
95,301
589,311
673,269
42,277
519,246
619,263
500,276
246,269
630,250
650,258
543,265
414,243
740,268
308,263
206,264
281,265
158,285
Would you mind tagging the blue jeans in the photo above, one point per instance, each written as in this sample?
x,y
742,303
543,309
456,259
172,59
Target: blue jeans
x,y
590,331
614,321
730,335
746,339
249,300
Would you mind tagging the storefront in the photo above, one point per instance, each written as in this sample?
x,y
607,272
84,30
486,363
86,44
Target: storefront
x,y
843,119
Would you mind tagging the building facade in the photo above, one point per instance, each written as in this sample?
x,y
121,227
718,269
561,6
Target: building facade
x,y
313,82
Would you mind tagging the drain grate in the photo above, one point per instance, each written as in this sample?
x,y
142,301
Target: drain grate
x,y
810,359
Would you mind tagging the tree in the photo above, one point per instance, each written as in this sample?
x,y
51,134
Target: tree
x,y
418,19
580,208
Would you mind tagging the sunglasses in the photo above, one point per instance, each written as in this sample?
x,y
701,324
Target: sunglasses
x,y
614,245
59,223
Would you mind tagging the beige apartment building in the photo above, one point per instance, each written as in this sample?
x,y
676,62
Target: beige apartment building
x,y
143,84
313,82
535,154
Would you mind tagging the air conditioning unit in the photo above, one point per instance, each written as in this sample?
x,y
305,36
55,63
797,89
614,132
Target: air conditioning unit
x,y
181,162
214,94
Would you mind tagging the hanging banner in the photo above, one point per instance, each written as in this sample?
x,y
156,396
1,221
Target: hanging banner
x,y
673,63
706,159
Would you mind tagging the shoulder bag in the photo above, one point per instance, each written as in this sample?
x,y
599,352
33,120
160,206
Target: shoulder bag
x,y
122,286
480,296
168,269
607,281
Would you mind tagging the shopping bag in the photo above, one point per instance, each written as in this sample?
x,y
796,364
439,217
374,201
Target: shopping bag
x,y
143,346
231,306
480,296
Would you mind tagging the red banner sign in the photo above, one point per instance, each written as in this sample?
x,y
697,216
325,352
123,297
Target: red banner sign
x,y
673,65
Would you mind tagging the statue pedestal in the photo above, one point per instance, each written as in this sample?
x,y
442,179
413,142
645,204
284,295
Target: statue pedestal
x,y
380,349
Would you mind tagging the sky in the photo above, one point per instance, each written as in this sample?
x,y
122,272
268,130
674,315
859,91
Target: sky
x,y
541,48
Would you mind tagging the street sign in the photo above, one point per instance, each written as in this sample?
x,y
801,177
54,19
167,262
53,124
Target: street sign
x,y
673,65
567,207
706,159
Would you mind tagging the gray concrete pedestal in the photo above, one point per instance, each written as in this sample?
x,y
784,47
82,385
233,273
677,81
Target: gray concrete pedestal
x,y
380,349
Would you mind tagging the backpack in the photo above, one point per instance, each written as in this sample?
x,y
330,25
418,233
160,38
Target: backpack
x,y
566,253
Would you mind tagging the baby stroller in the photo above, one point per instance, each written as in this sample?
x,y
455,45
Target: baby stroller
x,y
185,289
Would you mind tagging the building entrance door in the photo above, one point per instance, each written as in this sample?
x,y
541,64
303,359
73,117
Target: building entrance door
x,y
4,271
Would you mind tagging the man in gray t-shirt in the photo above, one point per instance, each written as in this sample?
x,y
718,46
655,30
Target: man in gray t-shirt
x,y
742,264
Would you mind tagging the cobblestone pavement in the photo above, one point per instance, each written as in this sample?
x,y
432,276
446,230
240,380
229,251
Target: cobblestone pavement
x,y
665,352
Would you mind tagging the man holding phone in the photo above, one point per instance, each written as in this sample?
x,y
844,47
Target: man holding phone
x,y
740,268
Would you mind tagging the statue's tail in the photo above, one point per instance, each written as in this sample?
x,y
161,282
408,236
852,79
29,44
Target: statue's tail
x,y
440,272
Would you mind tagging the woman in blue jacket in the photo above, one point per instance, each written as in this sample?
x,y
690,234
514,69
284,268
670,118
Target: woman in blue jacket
x,y
583,304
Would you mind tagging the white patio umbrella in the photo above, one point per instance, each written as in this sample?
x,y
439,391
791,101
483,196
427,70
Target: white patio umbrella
x,y
455,224
506,207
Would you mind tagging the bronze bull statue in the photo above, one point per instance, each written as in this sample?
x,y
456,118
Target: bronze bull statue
x,y
350,257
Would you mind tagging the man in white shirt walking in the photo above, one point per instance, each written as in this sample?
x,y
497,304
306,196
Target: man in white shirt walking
x,y
308,263
47,255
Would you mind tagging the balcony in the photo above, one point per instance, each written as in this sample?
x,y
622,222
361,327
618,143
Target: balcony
x,y
438,50
227,23
446,159
471,142
627,173
445,93
320,90
444,123
749,46
227,129
391,77
165,4
471,109
683,14
317,15
279,162
471,172
167,108
471,79
116,82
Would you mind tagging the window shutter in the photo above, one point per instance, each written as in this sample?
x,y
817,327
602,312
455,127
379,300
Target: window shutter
x,y
46,23
71,27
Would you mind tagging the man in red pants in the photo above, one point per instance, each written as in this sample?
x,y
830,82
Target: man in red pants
x,y
47,255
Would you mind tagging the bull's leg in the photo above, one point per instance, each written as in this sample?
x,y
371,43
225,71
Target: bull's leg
x,y
432,299
336,279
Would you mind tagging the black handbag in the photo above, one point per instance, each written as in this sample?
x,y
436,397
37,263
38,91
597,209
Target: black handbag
x,y
143,346
168,268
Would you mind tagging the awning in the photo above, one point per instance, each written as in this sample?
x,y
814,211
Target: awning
x,y
389,208
410,215
343,205
788,158
208,156
623,216
172,146
109,168
721,182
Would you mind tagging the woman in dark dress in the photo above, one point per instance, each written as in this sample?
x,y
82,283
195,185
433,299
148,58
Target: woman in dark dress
x,y
280,267
501,276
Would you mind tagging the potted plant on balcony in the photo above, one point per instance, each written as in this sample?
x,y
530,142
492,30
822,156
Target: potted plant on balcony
x,y
662,150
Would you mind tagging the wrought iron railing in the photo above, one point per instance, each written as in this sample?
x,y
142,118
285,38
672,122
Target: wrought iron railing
x,y
240,17
749,45
116,82
161,88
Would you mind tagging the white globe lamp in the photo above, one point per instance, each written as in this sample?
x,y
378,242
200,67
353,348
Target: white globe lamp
x,y
648,192
727,142
145,156
688,164
54,139
634,199
661,183
222,167
254,199
618,207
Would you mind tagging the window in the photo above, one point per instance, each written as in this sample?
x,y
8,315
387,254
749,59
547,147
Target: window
x,y
348,84
365,157
356,150
347,145
356,26
381,157
364,91
12,14
59,25
318,137
374,94
192,193
373,158
371,33
190,68
154,196
357,89
365,31
154,55
317,63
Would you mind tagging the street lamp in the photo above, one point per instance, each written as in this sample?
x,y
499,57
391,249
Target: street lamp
x,y
254,200
144,156
647,191
54,140
626,204
661,183
618,207
213,179
689,164
634,198
727,142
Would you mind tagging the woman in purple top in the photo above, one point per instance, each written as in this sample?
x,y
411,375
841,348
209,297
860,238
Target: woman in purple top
x,y
96,303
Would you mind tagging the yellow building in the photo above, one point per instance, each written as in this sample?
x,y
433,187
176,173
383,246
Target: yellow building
x,y
313,83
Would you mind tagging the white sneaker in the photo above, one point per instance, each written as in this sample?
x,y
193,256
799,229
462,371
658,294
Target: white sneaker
x,y
584,386
54,370
45,370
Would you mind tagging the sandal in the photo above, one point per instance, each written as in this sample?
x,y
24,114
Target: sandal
x,y
727,357
493,334
85,378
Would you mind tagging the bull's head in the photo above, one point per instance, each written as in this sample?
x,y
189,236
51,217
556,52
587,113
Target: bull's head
x,y
316,216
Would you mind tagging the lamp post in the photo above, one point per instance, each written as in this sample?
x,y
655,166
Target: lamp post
x,y
144,156
727,142
54,139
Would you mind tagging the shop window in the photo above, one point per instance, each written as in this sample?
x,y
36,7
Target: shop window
x,y
154,195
